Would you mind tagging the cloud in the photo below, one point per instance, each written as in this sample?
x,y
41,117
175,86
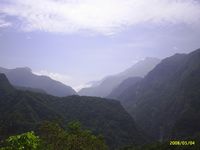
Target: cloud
x,y
56,76
101,16
4,23
81,86
65,79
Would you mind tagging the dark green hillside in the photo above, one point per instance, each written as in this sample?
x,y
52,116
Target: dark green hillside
x,y
101,116
166,103
24,111
5,86
30,89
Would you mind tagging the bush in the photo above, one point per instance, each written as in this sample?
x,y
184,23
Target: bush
x,y
26,141
53,137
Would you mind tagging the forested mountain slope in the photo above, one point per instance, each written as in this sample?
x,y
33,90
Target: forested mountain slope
x,y
166,103
23,111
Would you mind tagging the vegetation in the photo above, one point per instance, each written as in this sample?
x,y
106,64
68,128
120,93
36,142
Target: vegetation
x,y
23,111
53,137
165,104
25,141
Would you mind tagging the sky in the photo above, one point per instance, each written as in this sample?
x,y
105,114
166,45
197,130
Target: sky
x,y
77,41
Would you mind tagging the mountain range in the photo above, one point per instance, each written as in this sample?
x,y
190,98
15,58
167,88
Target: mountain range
x,y
166,102
22,111
24,79
160,104
121,88
108,84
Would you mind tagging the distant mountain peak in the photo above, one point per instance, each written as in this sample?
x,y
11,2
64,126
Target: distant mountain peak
x,y
23,77
109,83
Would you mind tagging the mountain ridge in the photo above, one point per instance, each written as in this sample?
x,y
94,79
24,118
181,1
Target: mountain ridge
x,y
23,77
22,111
107,85
165,99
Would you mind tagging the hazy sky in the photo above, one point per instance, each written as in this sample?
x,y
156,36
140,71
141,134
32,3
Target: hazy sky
x,y
76,41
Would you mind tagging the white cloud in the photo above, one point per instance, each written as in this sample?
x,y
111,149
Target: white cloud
x,y
4,23
56,76
65,79
102,16
81,86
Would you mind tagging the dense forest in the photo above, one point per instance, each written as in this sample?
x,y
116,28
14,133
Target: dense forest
x,y
23,111
53,137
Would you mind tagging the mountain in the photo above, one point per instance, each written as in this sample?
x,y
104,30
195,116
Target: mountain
x,y
22,111
166,103
5,86
108,84
119,90
29,89
24,78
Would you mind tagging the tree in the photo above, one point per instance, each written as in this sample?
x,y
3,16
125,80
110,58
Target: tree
x,y
25,141
74,138
54,137
79,139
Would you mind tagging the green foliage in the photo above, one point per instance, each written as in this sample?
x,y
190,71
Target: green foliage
x,y
23,111
26,141
75,138
53,137
79,139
